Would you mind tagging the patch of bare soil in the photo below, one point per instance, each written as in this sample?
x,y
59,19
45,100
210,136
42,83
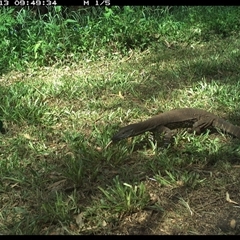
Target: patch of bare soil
x,y
209,209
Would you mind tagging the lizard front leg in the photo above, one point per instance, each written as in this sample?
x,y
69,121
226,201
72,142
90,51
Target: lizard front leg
x,y
162,134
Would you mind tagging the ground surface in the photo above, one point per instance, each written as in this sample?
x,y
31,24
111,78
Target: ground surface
x,y
43,188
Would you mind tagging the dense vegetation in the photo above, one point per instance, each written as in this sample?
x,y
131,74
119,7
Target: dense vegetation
x,y
63,36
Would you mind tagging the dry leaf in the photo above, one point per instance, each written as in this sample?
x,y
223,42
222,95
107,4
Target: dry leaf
x,y
167,43
104,224
27,136
233,223
79,220
120,95
229,200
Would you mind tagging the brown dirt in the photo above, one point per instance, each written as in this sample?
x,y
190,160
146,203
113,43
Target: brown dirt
x,y
206,210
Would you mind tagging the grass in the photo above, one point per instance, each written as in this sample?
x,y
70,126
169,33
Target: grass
x,y
57,177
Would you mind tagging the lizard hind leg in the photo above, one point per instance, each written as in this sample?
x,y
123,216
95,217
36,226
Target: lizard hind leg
x,y
200,125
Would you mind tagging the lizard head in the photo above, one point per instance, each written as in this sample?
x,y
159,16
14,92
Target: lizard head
x,y
125,132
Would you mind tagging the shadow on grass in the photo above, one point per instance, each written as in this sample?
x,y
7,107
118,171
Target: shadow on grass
x,y
165,69
216,172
